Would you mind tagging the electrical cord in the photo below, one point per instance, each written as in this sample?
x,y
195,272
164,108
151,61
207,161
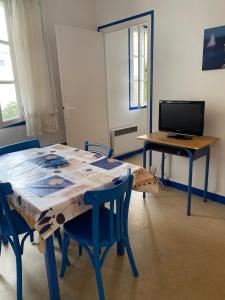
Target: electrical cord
x,y
162,185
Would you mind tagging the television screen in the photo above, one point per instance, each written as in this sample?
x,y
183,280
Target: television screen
x,y
182,117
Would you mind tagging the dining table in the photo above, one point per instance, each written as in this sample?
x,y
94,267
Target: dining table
x,y
48,186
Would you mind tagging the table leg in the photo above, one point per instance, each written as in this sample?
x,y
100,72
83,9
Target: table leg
x,y
51,270
190,184
144,165
162,165
206,175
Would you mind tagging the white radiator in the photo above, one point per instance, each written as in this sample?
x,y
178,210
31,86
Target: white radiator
x,y
123,140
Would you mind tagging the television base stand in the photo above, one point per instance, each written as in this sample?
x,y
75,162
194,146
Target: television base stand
x,y
179,136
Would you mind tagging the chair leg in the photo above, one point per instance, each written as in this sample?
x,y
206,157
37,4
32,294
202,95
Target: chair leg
x,y
120,248
32,237
19,277
99,277
131,258
58,236
80,250
5,242
65,259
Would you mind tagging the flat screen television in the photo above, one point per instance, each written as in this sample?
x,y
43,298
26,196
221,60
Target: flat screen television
x,y
182,119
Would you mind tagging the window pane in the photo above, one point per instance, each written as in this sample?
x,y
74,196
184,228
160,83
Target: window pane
x,y
142,42
3,26
8,102
135,68
146,84
135,93
6,72
142,68
135,41
146,45
139,66
142,100
145,92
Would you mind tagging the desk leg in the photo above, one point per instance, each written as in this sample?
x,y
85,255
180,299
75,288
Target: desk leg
x,y
150,159
51,270
162,166
144,161
189,184
206,175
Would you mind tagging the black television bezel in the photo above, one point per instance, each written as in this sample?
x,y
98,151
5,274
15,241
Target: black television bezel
x,y
179,131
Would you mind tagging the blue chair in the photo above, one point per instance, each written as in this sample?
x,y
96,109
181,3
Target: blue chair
x,y
34,143
101,227
107,151
14,219
12,225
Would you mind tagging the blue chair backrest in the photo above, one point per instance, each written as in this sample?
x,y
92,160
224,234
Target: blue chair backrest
x,y
107,151
34,143
118,198
6,189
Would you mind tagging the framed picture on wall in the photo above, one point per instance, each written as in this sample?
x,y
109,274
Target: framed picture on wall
x,y
214,48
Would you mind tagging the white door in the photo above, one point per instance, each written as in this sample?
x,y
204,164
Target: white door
x,y
83,83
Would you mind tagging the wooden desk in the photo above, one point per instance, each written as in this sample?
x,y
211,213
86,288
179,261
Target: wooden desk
x,y
193,149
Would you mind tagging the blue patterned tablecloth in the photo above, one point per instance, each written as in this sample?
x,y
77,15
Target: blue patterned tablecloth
x,y
46,195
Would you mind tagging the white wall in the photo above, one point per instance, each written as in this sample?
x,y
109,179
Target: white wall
x,y
68,12
116,51
179,27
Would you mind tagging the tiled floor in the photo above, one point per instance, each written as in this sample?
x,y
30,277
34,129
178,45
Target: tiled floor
x,y
178,257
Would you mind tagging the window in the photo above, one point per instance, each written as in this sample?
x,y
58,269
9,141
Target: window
x,y
138,66
10,112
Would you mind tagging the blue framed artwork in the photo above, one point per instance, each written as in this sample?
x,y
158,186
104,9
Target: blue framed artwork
x,y
214,48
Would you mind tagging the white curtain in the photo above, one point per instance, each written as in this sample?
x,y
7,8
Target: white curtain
x,y
35,82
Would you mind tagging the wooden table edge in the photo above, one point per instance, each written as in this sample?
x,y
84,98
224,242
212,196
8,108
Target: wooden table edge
x,y
144,138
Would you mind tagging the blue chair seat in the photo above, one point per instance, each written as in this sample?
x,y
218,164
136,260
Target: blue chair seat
x,y
80,228
20,224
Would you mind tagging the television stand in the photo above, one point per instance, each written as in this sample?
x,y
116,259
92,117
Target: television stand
x,y
179,136
193,149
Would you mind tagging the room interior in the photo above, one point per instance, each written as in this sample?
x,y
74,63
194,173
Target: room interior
x,y
98,73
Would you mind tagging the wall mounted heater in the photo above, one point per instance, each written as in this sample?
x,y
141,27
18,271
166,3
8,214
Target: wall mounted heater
x,y
123,139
